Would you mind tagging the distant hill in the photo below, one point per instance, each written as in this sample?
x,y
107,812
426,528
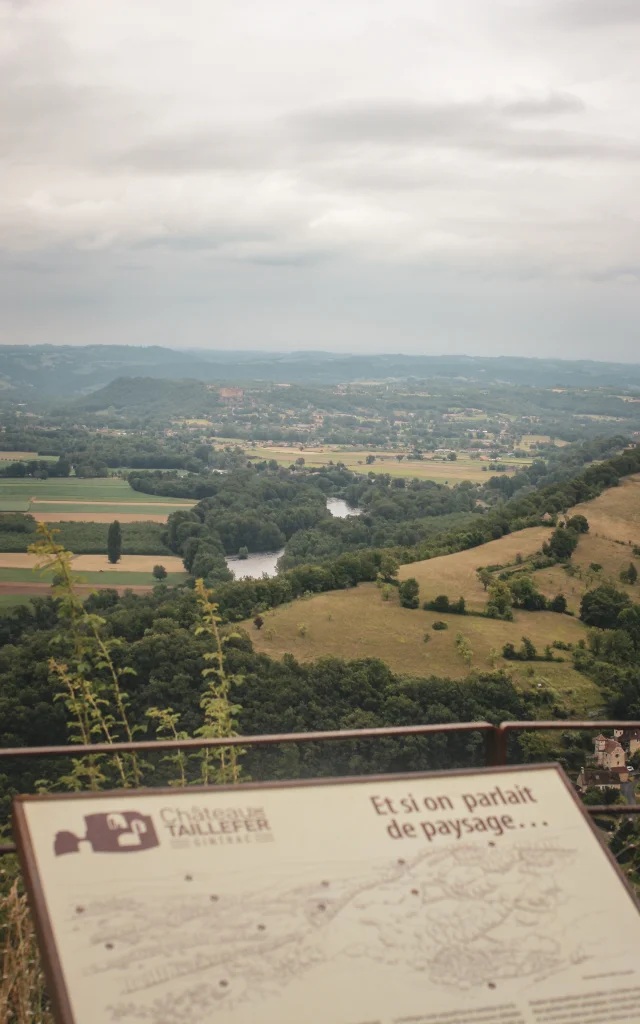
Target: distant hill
x,y
53,372
145,395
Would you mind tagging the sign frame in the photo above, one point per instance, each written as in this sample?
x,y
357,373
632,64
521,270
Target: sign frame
x,y
52,966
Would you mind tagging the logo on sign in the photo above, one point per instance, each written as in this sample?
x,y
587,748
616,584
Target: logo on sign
x,y
203,825
114,832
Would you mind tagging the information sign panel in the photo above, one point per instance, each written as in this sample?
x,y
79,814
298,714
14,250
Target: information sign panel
x,y
448,898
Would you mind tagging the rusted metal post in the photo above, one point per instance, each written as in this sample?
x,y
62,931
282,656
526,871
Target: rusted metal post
x,y
495,747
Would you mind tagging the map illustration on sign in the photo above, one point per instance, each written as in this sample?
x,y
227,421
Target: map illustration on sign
x,y
366,902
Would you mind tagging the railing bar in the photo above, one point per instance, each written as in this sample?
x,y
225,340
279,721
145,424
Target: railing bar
x,y
567,725
77,749
614,809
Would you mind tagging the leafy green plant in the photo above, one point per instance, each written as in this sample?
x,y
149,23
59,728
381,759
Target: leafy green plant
x,y
91,682
220,764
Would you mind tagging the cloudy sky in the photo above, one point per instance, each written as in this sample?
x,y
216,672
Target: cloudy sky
x,y
355,175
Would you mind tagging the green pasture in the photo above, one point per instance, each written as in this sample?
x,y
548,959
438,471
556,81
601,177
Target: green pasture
x,y
11,600
13,504
106,509
72,488
115,578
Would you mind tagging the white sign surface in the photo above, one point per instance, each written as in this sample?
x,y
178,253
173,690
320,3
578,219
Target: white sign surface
x,y
444,899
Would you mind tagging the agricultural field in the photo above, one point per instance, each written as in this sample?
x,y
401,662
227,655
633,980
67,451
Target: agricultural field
x,y
18,575
464,468
72,499
14,505
530,439
26,457
97,563
111,490
107,515
9,601
105,577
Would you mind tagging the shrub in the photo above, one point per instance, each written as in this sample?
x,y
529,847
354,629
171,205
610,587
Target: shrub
x,y
602,606
578,523
629,575
529,652
499,605
439,624
409,592
443,604
558,604
525,595
493,612
561,544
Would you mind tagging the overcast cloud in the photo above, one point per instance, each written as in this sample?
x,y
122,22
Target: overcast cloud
x,y
354,175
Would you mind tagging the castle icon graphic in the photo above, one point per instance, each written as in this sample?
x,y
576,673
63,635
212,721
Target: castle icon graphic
x,y
115,832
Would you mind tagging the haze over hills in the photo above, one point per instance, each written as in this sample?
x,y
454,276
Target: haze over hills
x,y
63,371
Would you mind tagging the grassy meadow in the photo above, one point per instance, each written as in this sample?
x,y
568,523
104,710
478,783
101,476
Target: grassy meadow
x,y
359,624
455,575
614,529
615,515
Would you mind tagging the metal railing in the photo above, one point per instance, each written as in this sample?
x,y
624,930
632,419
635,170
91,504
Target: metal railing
x,y
495,743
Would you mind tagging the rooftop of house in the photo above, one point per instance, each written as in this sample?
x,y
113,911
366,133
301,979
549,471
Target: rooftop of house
x,y
607,744
600,776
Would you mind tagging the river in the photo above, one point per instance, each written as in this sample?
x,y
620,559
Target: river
x,y
340,509
253,567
